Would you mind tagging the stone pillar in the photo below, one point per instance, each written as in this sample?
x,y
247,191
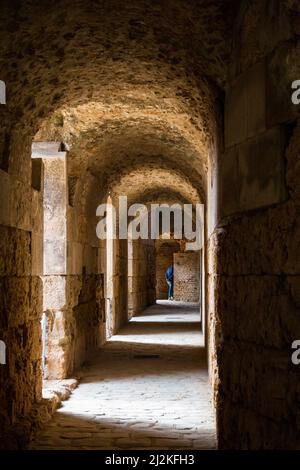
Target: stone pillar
x,y
55,215
54,206
56,330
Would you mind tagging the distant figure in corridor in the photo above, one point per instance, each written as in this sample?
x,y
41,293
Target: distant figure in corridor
x,y
170,281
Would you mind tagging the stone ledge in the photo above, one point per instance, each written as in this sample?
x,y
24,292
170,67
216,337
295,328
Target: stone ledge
x,y
20,434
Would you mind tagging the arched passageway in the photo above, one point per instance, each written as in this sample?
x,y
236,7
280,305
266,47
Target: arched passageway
x,y
147,100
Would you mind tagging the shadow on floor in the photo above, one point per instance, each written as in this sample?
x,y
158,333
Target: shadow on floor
x,y
98,431
147,388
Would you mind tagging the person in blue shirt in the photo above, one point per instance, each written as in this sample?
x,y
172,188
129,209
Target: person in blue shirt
x,y
170,281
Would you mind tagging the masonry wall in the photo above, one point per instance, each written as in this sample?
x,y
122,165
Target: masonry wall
x,y
187,276
20,290
164,250
74,312
86,265
141,275
254,271
68,300
73,284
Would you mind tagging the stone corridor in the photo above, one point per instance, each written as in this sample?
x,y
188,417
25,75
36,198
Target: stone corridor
x,y
146,389
141,117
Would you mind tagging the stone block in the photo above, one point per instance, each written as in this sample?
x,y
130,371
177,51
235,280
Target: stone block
x,y
36,341
294,286
5,190
20,204
229,179
44,149
252,306
37,177
20,157
293,164
54,223
55,256
235,113
130,283
273,385
37,212
101,258
15,256
74,257
36,254
73,223
16,298
280,76
291,244
245,106
261,170
89,258
36,298
54,288
255,82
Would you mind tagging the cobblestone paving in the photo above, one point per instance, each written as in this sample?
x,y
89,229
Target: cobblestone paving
x,y
146,389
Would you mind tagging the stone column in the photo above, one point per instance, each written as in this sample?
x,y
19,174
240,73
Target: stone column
x,y
56,329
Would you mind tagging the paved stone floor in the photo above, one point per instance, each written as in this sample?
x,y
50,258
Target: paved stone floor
x,y
146,389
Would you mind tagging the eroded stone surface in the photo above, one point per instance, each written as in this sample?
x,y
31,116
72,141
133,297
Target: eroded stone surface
x,y
254,258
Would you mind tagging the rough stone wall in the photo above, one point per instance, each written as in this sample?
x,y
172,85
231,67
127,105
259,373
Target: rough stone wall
x,y
254,271
165,250
187,276
25,293
138,111
88,314
74,312
141,275
20,292
85,284
20,313
72,309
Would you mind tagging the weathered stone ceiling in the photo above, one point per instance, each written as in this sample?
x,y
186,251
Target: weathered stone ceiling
x,y
123,134
121,83
144,184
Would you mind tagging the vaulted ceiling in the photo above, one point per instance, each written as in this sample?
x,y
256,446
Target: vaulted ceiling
x,y
131,88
